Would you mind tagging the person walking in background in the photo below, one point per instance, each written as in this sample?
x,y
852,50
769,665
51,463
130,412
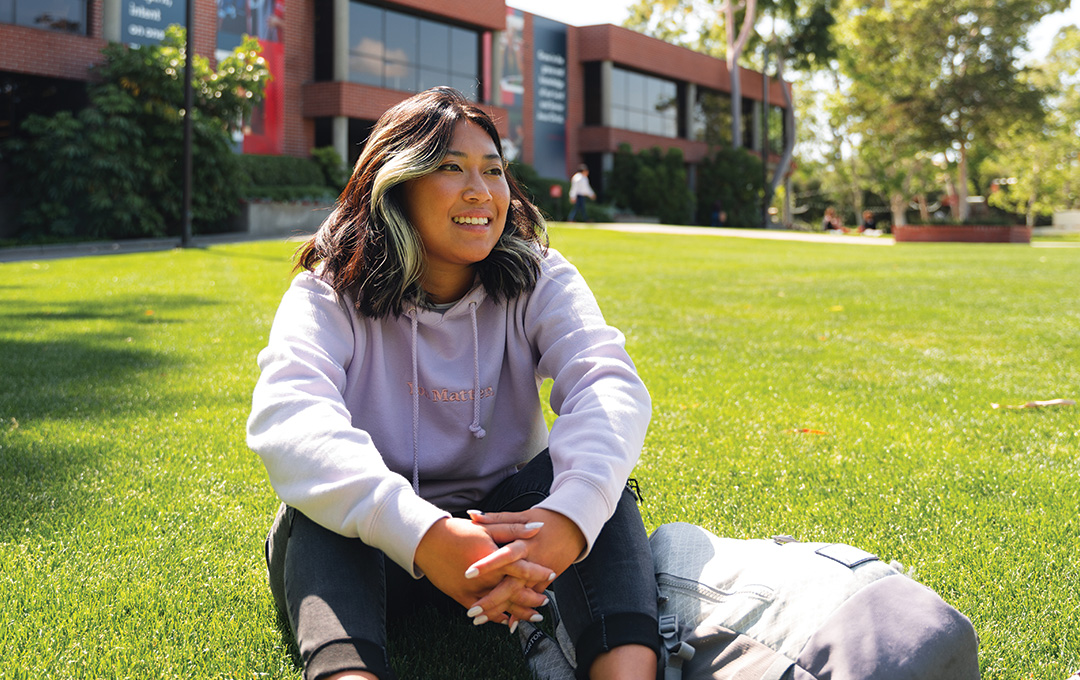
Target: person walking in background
x,y
580,191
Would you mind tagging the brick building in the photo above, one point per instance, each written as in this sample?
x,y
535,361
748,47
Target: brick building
x,y
562,95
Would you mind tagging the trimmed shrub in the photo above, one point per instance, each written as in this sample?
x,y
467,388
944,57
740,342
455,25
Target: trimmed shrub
x,y
732,177
539,191
652,182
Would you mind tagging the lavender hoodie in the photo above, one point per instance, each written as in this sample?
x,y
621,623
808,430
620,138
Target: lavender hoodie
x,y
378,428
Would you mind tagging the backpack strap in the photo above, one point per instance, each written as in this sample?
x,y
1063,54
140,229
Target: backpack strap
x,y
677,651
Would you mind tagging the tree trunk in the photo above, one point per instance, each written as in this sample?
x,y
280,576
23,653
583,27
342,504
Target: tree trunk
x,y
789,129
898,202
898,207
734,50
856,189
954,199
962,189
924,209
1029,216
787,202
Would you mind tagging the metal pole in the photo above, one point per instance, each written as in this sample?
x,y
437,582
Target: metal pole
x,y
189,103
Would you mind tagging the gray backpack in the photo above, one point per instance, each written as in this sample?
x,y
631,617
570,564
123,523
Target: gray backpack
x,y
779,609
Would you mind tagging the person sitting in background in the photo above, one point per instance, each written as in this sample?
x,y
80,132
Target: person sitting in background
x,y
867,221
831,222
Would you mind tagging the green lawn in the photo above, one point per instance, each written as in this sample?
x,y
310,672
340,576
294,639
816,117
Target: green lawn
x,y
132,514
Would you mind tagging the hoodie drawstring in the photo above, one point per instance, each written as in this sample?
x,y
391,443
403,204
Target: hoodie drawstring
x,y
475,428
415,412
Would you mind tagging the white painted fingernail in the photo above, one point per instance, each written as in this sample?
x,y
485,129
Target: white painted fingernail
x,y
551,576
472,572
513,626
536,618
533,525
474,512
544,603
480,620
474,611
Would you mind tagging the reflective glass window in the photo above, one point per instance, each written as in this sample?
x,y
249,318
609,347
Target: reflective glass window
x,y
366,30
464,52
7,11
644,103
428,78
618,118
618,89
403,52
365,69
712,117
467,85
399,76
635,91
402,34
434,44
65,16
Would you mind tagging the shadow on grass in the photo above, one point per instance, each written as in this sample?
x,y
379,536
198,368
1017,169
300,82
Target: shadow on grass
x,y
55,399
72,379
74,372
128,307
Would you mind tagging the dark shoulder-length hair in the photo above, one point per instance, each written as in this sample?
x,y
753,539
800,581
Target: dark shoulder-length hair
x,y
368,249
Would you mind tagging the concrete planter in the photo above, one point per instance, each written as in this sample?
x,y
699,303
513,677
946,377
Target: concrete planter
x,y
961,233
268,218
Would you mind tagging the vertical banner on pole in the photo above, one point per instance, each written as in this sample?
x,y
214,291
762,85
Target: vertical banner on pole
x,y
549,97
264,132
143,22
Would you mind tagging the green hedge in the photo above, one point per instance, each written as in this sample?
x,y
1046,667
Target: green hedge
x,y
280,171
538,189
287,178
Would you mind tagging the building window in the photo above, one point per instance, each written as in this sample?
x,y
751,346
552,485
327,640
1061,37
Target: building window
x,y
644,103
712,117
403,52
65,16
776,129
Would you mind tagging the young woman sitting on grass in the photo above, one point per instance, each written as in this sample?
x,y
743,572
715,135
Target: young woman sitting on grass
x,y
399,418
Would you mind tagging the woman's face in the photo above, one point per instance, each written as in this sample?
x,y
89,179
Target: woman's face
x,y
459,210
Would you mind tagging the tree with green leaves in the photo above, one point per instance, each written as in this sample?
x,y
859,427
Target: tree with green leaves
x,y
114,169
940,75
727,28
1037,169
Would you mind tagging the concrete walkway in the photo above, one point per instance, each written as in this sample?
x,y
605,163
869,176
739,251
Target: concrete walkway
x,y
768,234
55,252
142,245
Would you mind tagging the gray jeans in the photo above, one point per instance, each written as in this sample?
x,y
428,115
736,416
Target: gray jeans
x,y
334,590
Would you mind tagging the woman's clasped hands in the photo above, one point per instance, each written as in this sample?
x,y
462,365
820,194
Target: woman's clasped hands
x,y
498,564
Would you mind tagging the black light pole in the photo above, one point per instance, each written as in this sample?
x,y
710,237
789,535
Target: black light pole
x,y
189,103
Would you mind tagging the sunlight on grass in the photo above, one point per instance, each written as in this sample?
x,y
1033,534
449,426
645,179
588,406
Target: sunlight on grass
x,y
828,392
